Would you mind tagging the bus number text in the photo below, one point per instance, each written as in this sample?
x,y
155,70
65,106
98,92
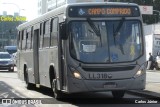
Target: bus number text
x,y
98,76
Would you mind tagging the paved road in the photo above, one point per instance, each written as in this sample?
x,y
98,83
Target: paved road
x,y
12,87
153,81
153,76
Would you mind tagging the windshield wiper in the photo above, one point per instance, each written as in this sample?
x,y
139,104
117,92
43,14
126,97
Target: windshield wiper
x,y
116,32
118,27
95,29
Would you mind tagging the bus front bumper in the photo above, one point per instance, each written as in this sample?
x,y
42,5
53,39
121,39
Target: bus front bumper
x,y
81,85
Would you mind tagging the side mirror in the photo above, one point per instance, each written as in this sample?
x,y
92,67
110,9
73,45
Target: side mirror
x,y
63,30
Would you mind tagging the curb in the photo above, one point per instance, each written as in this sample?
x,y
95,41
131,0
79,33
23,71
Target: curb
x,y
154,71
145,93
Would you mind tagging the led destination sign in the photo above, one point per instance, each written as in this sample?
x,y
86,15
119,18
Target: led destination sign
x,y
101,11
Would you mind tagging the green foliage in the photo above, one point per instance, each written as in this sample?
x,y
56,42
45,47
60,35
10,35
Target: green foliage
x,y
138,1
157,5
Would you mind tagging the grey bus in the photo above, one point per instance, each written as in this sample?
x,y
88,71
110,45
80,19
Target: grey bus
x,y
84,47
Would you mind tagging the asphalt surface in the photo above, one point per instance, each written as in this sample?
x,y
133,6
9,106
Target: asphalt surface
x,y
152,89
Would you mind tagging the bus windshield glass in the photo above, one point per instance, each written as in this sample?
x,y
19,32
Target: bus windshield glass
x,y
105,41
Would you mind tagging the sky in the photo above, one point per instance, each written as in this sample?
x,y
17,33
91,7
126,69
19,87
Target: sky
x,y
26,8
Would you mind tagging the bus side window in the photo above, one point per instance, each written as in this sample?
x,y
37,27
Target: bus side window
x,y
54,32
24,40
28,45
19,40
41,36
31,38
46,39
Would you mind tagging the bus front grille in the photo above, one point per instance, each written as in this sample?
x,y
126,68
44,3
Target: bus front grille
x,y
104,69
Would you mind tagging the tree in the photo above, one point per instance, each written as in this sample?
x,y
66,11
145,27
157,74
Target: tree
x,y
156,5
138,2
148,19
147,2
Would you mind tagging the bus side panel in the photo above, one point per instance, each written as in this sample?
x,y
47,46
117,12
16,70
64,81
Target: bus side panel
x,y
25,57
43,65
47,57
19,69
28,60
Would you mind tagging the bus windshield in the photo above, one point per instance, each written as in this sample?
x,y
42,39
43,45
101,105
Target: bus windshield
x,y
105,41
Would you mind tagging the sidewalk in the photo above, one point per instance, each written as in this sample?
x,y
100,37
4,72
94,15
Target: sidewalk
x,y
158,71
152,89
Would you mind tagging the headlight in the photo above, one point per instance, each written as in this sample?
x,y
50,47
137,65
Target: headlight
x,y
75,73
141,70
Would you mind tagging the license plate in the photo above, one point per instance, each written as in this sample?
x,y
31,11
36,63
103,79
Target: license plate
x,y
110,85
98,76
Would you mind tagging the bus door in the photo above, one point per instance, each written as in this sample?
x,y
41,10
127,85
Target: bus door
x,y
57,42
36,54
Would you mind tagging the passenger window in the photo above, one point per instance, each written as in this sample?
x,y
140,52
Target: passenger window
x,y
19,40
28,40
46,33
24,40
54,32
31,38
41,36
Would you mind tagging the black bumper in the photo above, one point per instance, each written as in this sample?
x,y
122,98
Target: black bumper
x,y
6,67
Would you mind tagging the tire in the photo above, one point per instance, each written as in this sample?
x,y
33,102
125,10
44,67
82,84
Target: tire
x,y
118,94
26,79
57,94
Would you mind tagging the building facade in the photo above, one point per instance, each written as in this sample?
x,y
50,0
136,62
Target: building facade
x,y
42,6
8,28
48,5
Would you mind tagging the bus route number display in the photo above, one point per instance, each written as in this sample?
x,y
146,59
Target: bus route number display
x,y
103,11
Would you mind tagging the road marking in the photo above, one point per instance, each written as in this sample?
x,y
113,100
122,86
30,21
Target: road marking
x,y
14,91
28,93
20,88
5,94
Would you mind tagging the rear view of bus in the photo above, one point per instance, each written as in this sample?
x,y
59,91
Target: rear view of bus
x,y
105,48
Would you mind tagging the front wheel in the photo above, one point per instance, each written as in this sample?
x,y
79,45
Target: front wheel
x,y
57,94
118,94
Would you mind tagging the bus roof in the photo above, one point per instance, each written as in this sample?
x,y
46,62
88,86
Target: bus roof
x,y
61,10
